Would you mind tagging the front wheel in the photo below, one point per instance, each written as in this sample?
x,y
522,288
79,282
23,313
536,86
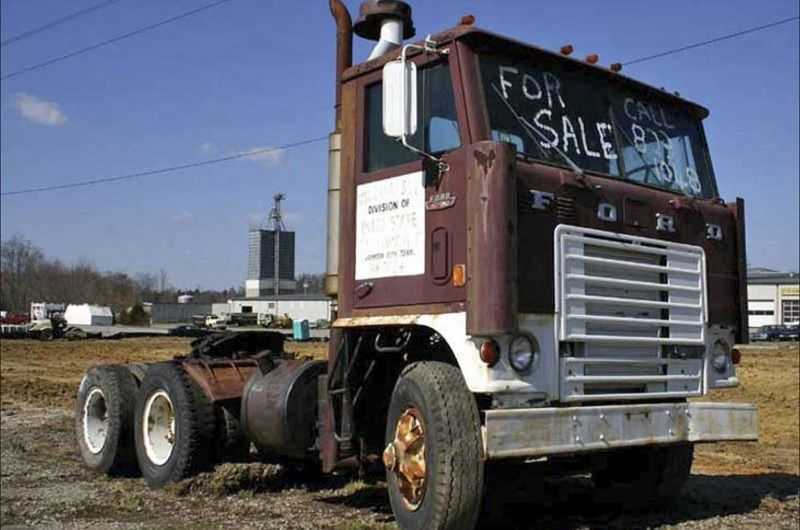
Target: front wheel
x,y
433,459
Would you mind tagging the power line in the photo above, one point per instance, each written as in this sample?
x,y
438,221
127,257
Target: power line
x,y
113,40
711,41
160,171
56,22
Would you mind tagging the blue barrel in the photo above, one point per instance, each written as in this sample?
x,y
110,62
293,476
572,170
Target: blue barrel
x,y
300,330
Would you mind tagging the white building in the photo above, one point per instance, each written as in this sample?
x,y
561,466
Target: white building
x,y
311,307
88,315
773,297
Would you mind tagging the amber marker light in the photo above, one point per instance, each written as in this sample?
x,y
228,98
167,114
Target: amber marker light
x,y
467,20
490,352
616,67
459,275
567,49
592,58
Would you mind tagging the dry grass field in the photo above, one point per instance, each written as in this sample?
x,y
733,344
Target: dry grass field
x,y
44,485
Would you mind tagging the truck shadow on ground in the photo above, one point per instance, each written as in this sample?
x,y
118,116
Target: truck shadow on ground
x,y
572,502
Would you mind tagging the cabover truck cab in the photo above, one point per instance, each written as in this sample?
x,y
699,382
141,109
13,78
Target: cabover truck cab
x,y
530,261
533,260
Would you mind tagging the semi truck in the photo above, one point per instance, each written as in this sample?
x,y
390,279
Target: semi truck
x,y
530,261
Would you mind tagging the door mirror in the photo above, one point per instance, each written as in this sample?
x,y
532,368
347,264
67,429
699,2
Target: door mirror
x,y
399,98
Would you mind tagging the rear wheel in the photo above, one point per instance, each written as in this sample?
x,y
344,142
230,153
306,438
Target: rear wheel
x,y
638,478
104,420
233,445
174,426
433,453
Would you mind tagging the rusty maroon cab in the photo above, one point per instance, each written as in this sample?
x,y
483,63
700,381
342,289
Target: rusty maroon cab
x,y
546,229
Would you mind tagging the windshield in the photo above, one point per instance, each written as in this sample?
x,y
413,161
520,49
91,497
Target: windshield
x,y
603,127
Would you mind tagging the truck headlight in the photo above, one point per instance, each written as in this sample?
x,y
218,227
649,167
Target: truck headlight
x,y
721,356
523,353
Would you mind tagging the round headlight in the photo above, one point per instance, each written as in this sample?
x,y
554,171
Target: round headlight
x,y
720,356
522,353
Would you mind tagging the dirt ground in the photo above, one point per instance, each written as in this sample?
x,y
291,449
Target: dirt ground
x,y
44,485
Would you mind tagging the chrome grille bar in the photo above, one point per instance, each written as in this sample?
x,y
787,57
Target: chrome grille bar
x,y
619,301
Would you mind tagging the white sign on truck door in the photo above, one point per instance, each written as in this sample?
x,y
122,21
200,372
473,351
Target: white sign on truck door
x,y
390,227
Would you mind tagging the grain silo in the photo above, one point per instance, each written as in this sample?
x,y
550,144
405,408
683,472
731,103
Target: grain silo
x,y
270,267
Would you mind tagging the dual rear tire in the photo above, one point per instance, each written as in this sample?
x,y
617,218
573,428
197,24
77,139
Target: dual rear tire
x,y
174,427
152,420
104,412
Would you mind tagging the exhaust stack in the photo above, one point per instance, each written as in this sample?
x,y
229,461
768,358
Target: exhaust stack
x,y
386,21
344,59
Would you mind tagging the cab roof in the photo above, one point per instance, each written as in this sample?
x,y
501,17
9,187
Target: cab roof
x,y
477,37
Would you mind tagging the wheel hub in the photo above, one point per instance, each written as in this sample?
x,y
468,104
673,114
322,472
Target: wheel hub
x,y
405,457
95,421
159,428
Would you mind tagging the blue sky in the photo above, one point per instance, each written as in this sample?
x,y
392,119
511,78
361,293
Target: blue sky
x,y
257,73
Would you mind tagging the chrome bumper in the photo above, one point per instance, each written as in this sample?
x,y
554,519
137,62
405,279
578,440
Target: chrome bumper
x,y
552,431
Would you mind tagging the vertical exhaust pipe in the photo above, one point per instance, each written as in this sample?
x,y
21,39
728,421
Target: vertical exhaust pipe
x,y
344,59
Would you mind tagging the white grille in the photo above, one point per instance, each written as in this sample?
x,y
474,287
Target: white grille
x,y
620,301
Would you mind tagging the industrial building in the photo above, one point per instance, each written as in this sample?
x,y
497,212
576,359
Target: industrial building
x,y
311,307
773,297
270,266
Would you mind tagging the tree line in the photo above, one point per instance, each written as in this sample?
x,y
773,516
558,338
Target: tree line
x,y
27,275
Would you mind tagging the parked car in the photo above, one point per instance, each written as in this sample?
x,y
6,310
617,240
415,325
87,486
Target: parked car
x,y
776,333
188,330
791,332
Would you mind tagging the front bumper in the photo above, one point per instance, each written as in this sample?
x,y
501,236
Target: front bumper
x,y
552,431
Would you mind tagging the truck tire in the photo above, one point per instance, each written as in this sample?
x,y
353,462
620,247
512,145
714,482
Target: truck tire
x,y
233,446
104,420
175,426
643,477
137,370
433,462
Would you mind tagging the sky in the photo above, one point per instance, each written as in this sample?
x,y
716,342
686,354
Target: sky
x,y
250,74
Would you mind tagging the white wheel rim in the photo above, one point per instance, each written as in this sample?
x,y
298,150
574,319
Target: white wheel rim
x,y
159,428
95,421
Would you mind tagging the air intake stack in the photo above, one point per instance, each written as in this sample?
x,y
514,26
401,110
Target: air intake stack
x,y
386,21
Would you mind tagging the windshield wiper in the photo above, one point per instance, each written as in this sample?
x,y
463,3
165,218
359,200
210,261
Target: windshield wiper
x,y
646,166
530,129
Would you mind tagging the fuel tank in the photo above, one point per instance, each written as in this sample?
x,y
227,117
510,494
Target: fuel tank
x,y
279,408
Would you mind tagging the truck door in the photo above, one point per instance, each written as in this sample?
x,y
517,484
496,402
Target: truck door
x,y
407,219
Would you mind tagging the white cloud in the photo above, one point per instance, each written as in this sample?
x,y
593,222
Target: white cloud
x,y
266,155
40,111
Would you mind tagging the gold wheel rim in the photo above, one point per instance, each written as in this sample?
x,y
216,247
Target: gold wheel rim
x,y
405,456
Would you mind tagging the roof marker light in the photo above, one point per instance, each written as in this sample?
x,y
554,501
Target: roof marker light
x,y
592,58
567,49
